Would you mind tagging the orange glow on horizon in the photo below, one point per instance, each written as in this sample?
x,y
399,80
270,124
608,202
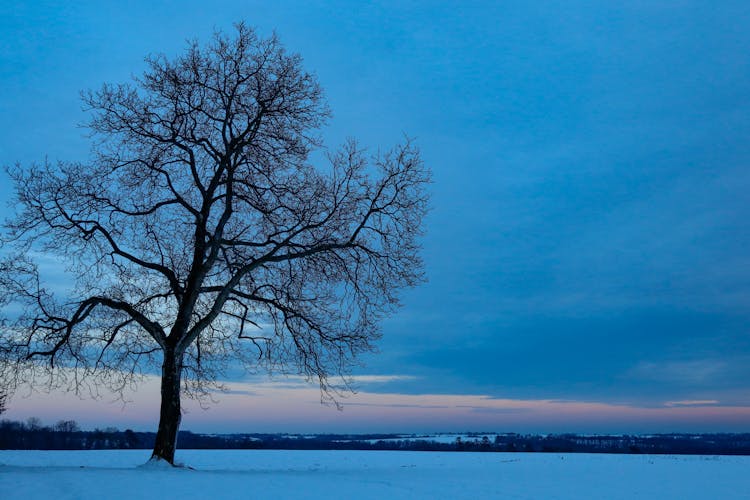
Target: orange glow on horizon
x,y
295,407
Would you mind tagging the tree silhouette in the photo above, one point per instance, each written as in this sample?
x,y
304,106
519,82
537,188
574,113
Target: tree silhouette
x,y
200,233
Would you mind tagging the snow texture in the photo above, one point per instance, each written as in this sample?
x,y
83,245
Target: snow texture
x,y
155,463
115,474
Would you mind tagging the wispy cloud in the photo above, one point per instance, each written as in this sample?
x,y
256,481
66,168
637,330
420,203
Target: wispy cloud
x,y
689,402
381,379
241,392
296,381
688,372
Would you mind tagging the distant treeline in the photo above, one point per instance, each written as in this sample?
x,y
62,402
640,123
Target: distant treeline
x,y
67,435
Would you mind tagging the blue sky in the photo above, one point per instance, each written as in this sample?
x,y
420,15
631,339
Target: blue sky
x,y
589,233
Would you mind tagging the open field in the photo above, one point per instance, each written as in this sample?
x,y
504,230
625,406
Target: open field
x,y
116,474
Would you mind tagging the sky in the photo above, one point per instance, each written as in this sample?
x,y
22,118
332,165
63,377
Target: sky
x,y
588,245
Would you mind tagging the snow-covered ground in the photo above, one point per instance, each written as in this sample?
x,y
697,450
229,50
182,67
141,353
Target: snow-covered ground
x,y
115,474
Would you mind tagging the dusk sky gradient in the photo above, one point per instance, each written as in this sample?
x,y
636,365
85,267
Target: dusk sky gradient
x,y
588,247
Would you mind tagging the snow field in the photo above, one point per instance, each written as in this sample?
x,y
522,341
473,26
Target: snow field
x,y
276,474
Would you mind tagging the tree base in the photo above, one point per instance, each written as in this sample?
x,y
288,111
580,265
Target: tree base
x,y
157,463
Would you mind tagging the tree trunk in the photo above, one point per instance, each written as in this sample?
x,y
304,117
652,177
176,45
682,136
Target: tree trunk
x,y
170,415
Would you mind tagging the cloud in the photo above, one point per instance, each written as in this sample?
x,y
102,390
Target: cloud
x,y
241,392
697,402
381,379
684,372
295,381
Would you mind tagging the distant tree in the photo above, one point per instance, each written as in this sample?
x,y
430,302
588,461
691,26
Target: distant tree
x,y
459,443
3,401
485,443
66,426
34,424
130,439
200,233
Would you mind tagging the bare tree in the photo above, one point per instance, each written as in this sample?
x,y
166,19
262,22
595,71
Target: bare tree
x,y
200,233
